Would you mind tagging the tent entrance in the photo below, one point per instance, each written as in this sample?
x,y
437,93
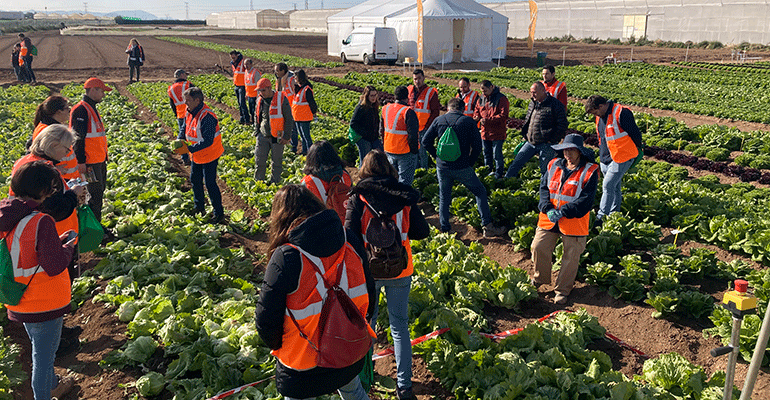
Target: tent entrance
x,y
458,33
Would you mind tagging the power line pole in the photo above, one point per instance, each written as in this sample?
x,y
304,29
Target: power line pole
x,y
251,5
186,10
306,5
322,4
85,8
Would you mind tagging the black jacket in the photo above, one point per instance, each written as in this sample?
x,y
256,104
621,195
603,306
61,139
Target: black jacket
x,y
320,235
388,195
79,121
467,135
578,208
627,123
366,122
548,120
135,55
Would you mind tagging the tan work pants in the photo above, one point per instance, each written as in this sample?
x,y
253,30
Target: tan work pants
x,y
543,246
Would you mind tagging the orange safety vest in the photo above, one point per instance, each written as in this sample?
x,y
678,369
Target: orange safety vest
x,y
64,225
176,92
401,219
276,113
300,108
22,53
288,90
250,81
568,192
194,135
239,73
96,139
45,293
320,187
67,166
468,98
422,105
555,88
396,140
622,148
306,302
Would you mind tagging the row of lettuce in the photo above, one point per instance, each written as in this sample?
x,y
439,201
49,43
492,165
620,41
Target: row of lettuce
x,y
453,284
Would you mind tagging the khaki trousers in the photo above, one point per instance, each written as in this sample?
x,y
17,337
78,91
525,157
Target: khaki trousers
x,y
543,246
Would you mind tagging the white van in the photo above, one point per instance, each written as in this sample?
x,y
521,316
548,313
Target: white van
x,y
370,45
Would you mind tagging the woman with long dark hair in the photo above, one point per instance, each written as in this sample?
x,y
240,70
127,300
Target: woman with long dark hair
x,y
366,122
303,108
323,169
306,237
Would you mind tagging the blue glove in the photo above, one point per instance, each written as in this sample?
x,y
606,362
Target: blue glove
x,y
554,215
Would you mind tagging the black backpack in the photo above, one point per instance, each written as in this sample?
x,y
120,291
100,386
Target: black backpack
x,y
387,254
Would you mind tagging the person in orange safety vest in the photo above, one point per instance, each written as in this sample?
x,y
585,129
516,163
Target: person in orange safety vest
x,y
203,134
286,83
567,192
272,126
469,97
39,258
424,101
239,82
557,89
55,110
620,144
303,109
251,77
305,236
399,128
91,144
178,106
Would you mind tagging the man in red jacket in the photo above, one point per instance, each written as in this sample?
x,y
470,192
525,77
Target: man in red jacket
x,y
492,115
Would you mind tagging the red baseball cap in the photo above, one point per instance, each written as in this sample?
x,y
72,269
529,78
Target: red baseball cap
x,y
96,83
263,83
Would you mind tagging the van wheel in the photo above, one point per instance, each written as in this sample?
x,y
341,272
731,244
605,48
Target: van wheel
x,y
343,58
392,63
367,60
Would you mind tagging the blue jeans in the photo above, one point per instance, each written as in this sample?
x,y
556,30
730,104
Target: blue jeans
x,y
493,156
612,197
468,177
364,147
545,153
303,128
45,338
424,158
252,106
351,391
397,296
181,136
243,108
405,165
207,172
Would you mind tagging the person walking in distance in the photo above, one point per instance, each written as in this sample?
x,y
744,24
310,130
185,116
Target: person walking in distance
x,y
400,130
26,57
469,97
239,82
135,59
202,131
303,109
555,88
251,77
286,82
15,63
545,125
272,128
567,194
176,99
366,123
91,143
492,115
620,142
423,99
460,169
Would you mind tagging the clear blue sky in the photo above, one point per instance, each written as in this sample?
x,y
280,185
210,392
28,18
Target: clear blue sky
x,y
175,9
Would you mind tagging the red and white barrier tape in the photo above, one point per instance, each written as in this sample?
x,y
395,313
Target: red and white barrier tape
x,y
238,390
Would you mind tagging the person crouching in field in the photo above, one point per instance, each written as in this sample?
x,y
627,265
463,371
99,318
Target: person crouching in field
x,y
567,192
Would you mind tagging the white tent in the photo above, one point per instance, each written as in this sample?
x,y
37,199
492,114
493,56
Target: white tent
x,y
454,30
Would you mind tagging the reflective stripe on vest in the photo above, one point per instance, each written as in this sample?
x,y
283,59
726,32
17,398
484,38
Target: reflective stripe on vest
x,y
288,90
176,92
554,89
422,106
275,112
401,219
564,193
250,81
306,303
468,98
395,138
96,138
67,166
300,108
622,148
45,293
66,224
239,72
319,187
194,135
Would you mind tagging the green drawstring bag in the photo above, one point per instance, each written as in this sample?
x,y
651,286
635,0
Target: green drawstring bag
x,y
367,373
353,135
90,233
518,148
11,291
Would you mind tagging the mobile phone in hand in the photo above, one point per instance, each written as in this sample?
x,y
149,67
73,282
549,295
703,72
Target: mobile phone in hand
x,y
71,236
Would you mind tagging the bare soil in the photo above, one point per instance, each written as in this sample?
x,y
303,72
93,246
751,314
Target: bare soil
x,y
65,59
